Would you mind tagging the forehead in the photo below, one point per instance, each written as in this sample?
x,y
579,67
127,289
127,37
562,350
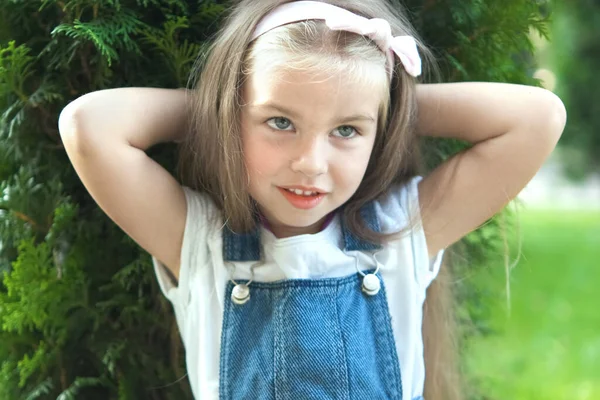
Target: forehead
x,y
311,93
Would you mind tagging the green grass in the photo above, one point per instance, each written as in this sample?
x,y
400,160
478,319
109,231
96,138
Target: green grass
x,y
548,346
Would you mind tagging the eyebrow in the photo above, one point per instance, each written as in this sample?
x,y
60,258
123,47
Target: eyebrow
x,y
281,109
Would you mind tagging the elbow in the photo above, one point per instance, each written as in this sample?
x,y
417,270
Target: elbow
x,y
69,126
543,132
554,119
67,121
558,112
72,118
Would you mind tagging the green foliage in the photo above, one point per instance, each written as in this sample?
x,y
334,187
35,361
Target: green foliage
x,y
576,60
483,40
81,315
108,34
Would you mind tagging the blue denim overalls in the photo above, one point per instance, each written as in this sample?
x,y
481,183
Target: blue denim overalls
x,y
328,338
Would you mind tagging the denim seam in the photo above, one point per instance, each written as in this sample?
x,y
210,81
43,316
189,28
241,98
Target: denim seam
x,y
342,349
277,353
394,361
224,378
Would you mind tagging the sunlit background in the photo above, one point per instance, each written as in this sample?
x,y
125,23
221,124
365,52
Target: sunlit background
x,y
542,322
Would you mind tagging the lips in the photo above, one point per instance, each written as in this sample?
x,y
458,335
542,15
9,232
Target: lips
x,y
306,200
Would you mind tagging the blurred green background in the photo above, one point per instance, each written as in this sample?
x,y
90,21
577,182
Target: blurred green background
x,y
547,345
542,321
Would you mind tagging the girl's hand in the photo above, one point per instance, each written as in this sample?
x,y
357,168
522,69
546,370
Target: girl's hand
x,y
514,128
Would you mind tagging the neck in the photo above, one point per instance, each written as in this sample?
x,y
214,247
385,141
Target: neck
x,y
284,231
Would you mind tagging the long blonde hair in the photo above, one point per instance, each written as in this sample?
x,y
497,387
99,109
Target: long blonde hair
x,y
211,158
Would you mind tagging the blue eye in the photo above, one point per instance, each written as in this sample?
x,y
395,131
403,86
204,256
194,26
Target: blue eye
x,y
346,132
279,123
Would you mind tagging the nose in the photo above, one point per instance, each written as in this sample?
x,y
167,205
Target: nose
x,y
310,157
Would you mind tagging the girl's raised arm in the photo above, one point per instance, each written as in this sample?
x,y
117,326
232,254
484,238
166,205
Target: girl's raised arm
x,y
513,129
105,134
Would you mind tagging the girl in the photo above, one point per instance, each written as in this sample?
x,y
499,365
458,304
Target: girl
x,y
298,250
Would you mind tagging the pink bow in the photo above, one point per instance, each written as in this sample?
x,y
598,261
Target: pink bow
x,y
380,32
337,18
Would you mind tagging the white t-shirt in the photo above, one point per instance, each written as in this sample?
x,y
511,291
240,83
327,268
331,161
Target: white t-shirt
x,y
199,298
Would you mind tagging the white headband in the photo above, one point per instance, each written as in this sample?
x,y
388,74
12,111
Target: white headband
x,y
337,18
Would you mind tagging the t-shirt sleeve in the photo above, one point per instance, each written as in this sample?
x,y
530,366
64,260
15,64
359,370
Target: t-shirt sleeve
x,y
400,208
194,251
426,268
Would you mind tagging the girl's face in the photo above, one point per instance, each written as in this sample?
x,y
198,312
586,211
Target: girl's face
x,y
307,132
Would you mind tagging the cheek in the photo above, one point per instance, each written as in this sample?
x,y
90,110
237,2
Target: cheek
x,y
261,158
350,170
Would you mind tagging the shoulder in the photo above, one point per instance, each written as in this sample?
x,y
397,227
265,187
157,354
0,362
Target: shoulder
x,y
197,198
202,212
398,207
398,211
202,218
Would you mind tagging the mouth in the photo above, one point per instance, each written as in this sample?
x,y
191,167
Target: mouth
x,y
301,192
302,199
304,190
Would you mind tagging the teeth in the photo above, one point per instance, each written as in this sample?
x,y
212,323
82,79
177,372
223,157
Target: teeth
x,y
301,193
